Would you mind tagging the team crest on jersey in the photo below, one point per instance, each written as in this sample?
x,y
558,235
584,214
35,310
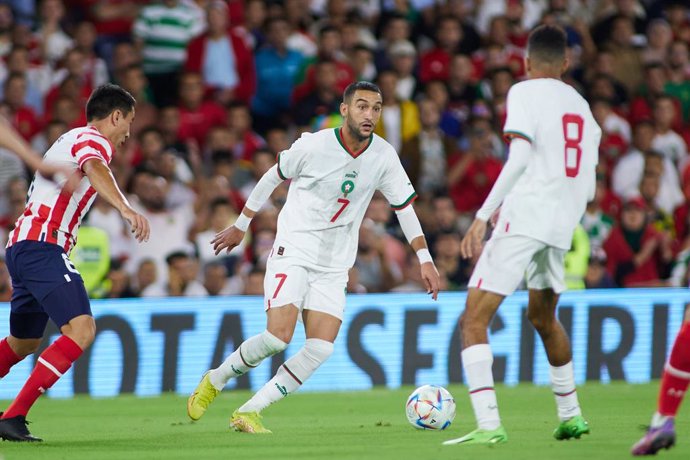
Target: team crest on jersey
x,y
347,187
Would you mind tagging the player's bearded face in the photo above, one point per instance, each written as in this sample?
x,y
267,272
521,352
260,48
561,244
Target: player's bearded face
x,y
363,113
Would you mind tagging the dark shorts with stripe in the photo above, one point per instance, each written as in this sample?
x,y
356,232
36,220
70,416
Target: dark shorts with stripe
x,y
45,285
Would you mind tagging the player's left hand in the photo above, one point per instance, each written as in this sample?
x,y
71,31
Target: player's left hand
x,y
472,242
431,279
227,239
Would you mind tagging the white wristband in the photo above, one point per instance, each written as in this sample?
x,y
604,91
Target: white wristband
x,y
242,222
424,256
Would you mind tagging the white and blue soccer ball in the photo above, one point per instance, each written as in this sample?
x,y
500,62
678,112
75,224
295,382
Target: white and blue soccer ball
x,y
430,407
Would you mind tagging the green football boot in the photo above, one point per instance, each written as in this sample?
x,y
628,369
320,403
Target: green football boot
x,y
571,428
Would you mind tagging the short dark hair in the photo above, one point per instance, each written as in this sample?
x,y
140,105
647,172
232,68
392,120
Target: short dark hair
x,y
547,44
218,202
359,86
175,256
106,99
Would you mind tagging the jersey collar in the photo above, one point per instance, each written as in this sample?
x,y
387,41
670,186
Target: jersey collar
x,y
339,136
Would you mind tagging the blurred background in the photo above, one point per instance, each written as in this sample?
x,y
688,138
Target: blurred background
x,y
223,86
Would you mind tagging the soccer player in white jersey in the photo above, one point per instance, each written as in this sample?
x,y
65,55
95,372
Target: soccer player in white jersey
x,y
542,191
334,174
45,284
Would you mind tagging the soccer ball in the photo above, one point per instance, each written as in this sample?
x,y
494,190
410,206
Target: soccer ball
x,y
430,407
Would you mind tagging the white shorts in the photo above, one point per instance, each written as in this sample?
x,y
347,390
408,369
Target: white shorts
x,y
289,281
507,259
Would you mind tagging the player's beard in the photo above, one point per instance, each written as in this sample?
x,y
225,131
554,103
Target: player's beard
x,y
354,130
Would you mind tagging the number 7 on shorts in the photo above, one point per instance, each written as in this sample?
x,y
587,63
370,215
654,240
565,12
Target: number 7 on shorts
x,y
282,277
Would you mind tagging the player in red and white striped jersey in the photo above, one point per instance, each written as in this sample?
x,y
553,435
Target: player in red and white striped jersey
x,y
45,284
53,214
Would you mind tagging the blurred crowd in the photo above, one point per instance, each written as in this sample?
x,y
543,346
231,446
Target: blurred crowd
x,y
223,85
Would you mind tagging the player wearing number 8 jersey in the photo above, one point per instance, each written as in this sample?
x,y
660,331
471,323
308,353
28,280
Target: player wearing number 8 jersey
x,y
45,284
542,192
334,174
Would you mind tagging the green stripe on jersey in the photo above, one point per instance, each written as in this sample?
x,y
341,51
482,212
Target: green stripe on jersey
x,y
507,134
397,207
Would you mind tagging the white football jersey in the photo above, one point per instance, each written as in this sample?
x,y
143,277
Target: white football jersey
x,y
550,197
330,191
53,214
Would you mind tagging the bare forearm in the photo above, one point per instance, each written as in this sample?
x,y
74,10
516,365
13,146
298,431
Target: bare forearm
x,y
11,140
103,181
418,243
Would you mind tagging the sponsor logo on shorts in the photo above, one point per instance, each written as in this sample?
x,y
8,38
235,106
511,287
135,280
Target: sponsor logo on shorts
x,y
281,250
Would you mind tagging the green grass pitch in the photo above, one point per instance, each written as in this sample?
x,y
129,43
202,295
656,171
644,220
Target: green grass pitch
x,y
357,425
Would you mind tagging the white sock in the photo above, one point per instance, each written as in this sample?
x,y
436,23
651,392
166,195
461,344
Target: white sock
x,y
247,356
658,420
477,361
290,375
563,386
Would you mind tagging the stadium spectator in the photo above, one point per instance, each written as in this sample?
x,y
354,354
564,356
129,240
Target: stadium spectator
x,y
329,49
171,226
162,32
637,255
597,277
654,86
146,275
320,108
6,22
181,281
661,220
23,117
376,272
217,282
134,80
462,91
455,269
220,215
54,41
595,221
434,64
403,57
659,37
38,77
628,171
222,58
113,21
395,28
197,115
678,71
85,41
117,284
425,155
106,218
399,120
472,173
666,140
276,68
239,121
254,282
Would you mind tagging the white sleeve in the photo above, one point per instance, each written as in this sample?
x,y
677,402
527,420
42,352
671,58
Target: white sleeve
x,y
263,189
520,151
409,223
520,123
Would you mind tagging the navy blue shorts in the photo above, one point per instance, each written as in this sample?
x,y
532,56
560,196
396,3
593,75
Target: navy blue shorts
x,y
45,285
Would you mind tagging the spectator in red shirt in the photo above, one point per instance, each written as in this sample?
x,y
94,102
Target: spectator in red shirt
x,y
232,78
329,50
434,64
196,115
240,123
637,255
472,173
23,117
653,87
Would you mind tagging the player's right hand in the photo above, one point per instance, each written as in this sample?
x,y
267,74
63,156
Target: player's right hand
x,y
471,244
138,223
228,239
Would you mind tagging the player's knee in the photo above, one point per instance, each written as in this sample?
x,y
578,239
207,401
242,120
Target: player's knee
x,y
24,347
318,349
541,322
282,333
82,330
469,321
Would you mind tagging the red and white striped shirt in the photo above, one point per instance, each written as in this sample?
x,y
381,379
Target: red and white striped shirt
x,y
52,214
